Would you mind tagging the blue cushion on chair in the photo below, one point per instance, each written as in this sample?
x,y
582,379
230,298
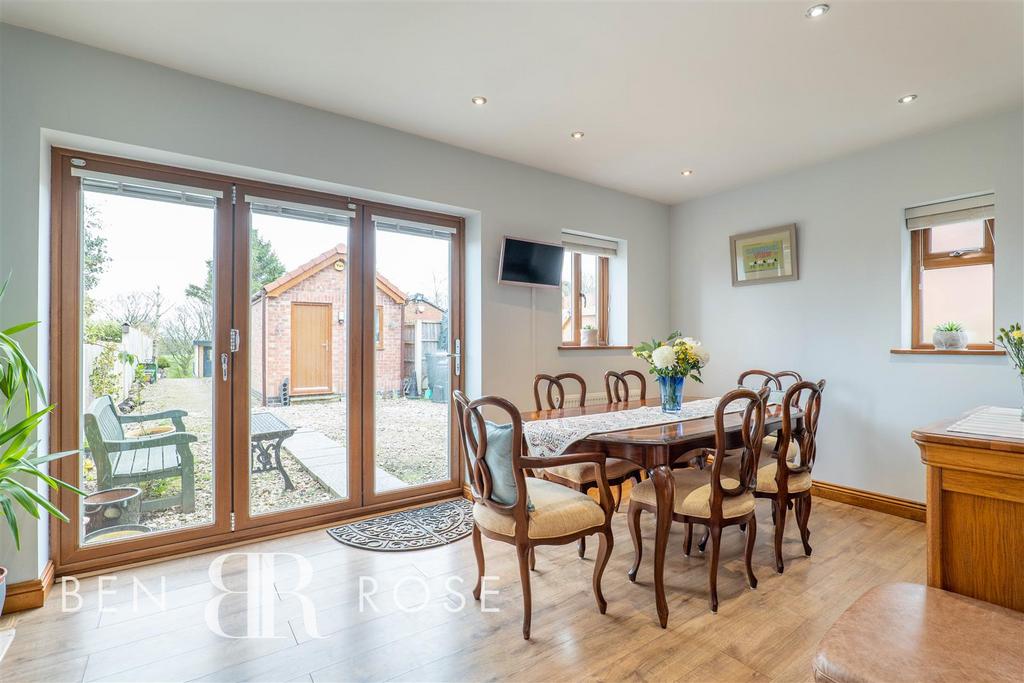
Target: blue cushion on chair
x,y
499,462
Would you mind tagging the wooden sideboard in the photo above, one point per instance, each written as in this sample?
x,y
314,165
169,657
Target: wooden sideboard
x,y
975,514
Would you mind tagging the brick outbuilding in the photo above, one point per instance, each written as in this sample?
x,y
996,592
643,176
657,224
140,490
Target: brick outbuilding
x,y
299,325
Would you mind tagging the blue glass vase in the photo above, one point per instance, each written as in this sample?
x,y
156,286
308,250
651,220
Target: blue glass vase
x,y
671,394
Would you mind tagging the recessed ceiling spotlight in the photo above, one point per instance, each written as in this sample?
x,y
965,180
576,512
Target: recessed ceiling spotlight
x,y
816,11
688,172
907,99
576,134
479,100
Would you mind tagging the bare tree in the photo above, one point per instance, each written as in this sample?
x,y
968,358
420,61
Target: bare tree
x,y
191,322
138,309
440,298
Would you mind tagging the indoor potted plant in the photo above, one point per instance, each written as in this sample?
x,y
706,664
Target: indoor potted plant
x,y
673,360
588,336
19,463
950,336
1012,340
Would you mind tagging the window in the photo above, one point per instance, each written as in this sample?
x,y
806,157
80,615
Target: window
x,y
585,287
378,327
952,269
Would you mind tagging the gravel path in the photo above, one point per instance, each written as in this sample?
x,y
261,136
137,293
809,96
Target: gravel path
x,y
412,444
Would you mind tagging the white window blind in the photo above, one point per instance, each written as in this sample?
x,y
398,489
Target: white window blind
x,y
305,212
588,244
412,228
980,207
108,183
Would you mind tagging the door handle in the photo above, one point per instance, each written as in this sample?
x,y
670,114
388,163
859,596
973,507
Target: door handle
x,y
224,366
457,355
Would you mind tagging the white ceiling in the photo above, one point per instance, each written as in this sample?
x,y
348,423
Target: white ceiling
x,y
734,90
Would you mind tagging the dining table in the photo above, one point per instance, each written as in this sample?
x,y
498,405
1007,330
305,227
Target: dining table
x,y
656,448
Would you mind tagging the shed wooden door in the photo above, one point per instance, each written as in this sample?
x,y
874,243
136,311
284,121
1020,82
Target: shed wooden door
x,y
311,348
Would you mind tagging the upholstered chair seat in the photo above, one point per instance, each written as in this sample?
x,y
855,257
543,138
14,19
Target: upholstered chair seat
x,y
586,473
557,511
768,447
693,494
766,476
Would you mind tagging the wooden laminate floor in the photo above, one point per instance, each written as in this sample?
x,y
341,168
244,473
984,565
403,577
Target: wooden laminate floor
x,y
767,634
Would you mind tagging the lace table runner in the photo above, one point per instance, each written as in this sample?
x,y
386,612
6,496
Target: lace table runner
x,y
553,437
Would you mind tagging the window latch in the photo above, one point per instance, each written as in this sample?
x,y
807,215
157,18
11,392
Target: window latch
x,y
964,252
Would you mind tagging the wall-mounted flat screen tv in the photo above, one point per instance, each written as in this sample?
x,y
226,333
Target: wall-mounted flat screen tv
x,y
534,264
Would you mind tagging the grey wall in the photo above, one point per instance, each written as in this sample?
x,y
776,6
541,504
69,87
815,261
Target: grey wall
x,y
839,320
49,84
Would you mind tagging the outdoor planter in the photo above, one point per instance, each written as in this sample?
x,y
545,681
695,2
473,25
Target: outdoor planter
x,y
115,533
113,507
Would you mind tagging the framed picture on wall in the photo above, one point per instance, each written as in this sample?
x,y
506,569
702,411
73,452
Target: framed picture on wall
x,y
764,256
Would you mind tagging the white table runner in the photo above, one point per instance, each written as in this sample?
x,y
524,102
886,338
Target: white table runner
x,y
552,437
991,421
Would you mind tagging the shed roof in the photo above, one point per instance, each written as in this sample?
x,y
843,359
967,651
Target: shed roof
x,y
314,266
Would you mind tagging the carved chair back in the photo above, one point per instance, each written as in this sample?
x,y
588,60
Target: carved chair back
x,y
805,396
752,434
616,385
778,381
555,390
473,432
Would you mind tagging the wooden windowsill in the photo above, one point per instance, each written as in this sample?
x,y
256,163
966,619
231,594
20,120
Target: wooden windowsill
x,y
613,347
950,352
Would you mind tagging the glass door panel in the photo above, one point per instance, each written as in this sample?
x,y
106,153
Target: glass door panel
x,y
298,343
147,359
413,355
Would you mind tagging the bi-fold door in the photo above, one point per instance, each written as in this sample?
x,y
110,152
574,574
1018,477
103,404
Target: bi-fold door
x,y
235,358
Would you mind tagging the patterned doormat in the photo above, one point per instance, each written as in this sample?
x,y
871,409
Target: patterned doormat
x,y
425,527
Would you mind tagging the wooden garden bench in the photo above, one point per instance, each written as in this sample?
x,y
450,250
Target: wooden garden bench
x,y
124,460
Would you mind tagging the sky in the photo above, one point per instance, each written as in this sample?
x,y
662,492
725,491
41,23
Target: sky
x,y
151,243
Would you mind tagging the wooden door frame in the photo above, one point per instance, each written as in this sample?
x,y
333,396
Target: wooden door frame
x,y
65,361
65,370
311,515
456,324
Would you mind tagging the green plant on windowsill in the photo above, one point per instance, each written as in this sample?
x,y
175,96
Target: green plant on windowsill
x,y
950,336
20,384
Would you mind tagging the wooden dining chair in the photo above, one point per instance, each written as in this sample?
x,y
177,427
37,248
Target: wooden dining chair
x,y
783,479
526,511
776,381
616,385
709,496
580,476
554,393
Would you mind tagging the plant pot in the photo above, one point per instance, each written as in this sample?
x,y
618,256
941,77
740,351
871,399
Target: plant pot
x,y
949,341
588,337
115,533
112,507
3,588
671,389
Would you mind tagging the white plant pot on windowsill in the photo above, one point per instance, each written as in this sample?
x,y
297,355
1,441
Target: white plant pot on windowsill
x,y
949,341
588,337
